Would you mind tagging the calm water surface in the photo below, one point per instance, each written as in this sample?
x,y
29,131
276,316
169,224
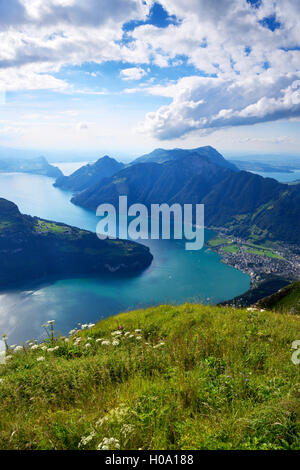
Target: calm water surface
x,y
175,276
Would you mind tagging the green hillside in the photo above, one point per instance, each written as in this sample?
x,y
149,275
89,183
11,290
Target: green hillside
x,y
188,377
34,250
287,300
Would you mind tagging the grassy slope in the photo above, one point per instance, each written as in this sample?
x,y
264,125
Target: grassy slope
x,y
224,379
287,300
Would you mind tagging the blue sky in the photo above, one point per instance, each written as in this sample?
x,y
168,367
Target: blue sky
x,y
125,77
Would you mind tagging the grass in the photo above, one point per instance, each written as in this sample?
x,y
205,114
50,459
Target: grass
x,y
43,226
4,224
231,249
191,377
287,300
218,241
256,250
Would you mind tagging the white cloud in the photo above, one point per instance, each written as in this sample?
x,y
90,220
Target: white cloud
x,y
132,73
205,104
40,36
250,67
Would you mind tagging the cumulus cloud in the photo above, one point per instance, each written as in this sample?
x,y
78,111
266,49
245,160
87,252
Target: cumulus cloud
x,y
132,73
41,36
245,54
250,54
205,104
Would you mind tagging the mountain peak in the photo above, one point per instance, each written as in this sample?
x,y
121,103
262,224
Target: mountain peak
x,y
90,174
163,155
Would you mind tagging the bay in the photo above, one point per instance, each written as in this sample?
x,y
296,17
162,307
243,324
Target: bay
x,y
175,276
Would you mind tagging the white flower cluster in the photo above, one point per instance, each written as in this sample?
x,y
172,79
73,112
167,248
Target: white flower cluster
x,y
109,443
86,439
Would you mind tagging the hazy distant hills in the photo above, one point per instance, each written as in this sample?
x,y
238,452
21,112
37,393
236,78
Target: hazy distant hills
x,y
90,174
36,166
162,155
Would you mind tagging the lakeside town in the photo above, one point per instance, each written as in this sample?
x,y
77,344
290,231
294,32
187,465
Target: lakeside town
x,y
258,261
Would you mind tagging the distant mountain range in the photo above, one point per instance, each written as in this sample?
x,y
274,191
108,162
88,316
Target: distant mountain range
x,y
162,156
36,166
36,249
89,175
244,203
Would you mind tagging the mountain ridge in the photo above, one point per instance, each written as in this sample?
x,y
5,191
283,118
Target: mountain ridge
x,y
89,174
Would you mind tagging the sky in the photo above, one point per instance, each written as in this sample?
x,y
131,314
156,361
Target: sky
x,y
125,77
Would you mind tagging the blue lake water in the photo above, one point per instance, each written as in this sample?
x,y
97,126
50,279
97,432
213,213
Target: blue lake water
x,y
176,275
282,177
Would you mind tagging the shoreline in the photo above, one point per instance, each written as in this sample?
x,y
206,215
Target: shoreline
x,y
258,261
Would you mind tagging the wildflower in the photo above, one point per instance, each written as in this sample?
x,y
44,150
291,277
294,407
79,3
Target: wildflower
x,y
116,416
138,338
120,327
2,357
99,340
131,336
127,333
138,331
158,345
105,343
67,340
18,348
40,359
115,342
43,348
109,444
72,332
116,333
7,358
83,327
91,325
13,346
88,345
53,349
127,429
86,439
35,346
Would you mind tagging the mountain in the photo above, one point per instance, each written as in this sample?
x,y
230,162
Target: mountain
x,y
244,203
178,180
33,249
255,207
162,156
35,166
89,175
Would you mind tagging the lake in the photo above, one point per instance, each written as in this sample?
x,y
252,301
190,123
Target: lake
x,y
282,177
176,276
